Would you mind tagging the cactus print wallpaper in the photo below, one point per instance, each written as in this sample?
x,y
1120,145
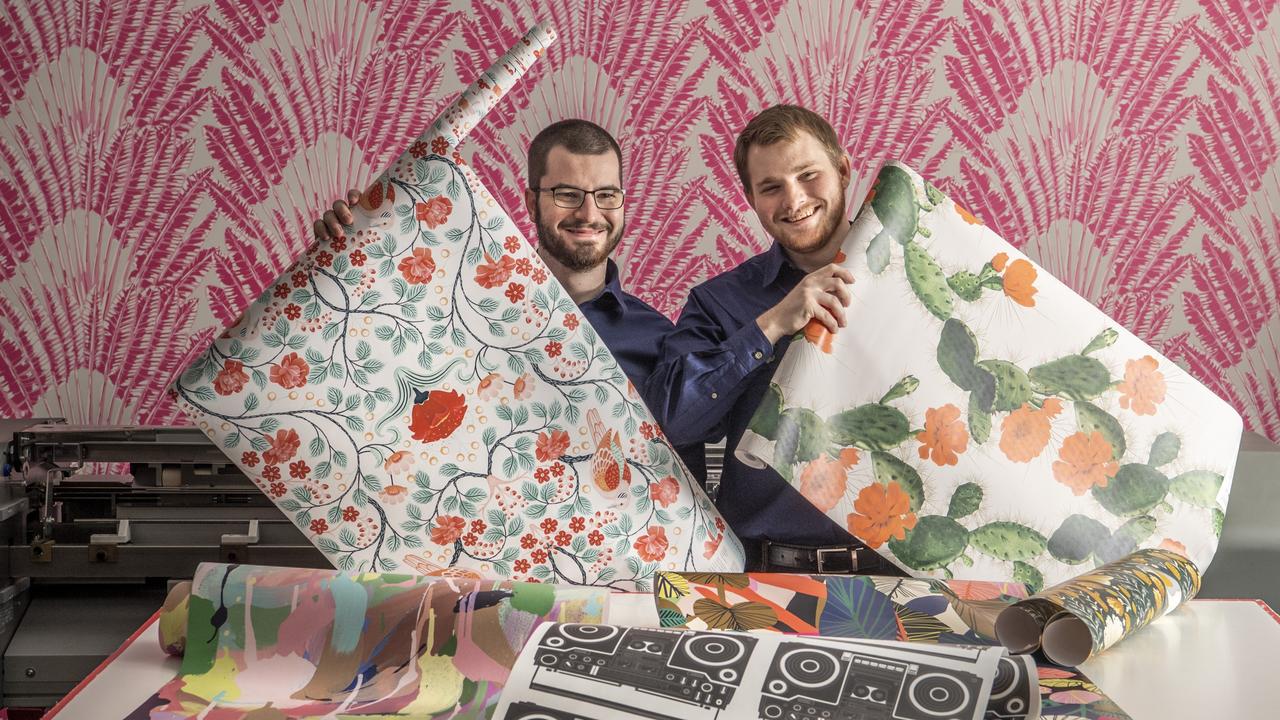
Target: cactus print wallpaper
x,y
160,162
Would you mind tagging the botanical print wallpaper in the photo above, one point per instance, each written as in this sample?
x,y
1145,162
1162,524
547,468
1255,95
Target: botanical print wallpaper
x,y
160,162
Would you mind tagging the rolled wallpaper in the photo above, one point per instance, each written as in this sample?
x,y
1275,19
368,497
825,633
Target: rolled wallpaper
x,y
421,395
977,419
297,643
1072,621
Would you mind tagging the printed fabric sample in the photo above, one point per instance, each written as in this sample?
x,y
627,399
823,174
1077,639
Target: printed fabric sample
x,y
1081,617
602,671
298,643
422,395
916,610
978,419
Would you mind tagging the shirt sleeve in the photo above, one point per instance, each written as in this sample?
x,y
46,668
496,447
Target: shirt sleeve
x,y
701,373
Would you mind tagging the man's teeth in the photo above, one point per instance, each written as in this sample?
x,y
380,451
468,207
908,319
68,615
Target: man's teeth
x,y
802,216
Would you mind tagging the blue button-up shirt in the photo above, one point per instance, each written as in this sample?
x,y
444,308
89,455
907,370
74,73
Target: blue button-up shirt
x,y
633,332
716,368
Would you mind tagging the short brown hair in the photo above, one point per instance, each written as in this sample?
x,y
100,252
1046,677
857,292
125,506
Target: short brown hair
x,y
580,137
783,122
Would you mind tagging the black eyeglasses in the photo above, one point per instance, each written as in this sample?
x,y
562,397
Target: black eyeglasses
x,y
570,197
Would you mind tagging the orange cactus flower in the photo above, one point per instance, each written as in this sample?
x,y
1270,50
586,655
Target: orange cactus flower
x,y
1143,386
1085,462
1018,279
881,512
1024,433
968,216
849,457
818,334
944,435
823,482
998,262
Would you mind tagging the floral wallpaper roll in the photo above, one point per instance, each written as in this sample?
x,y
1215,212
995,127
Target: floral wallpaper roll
x,y
300,643
421,395
978,419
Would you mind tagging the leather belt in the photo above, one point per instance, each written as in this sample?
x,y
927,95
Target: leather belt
x,y
825,560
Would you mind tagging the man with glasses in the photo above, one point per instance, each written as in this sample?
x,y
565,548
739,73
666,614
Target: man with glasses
x,y
575,198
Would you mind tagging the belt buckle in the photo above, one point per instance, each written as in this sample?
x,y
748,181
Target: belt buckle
x,y
853,558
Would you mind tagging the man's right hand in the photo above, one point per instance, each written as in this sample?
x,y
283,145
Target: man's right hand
x,y
329,227
822,295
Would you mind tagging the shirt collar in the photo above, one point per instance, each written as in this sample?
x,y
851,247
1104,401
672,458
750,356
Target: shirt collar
x,y
775,258
612,286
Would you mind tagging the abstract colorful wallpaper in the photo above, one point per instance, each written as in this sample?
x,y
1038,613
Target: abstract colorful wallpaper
x,y
161,162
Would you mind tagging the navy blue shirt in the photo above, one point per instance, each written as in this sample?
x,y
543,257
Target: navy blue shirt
x,y
633,332
716,368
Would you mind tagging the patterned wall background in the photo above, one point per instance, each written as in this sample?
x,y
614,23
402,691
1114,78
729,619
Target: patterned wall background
x,y
146,150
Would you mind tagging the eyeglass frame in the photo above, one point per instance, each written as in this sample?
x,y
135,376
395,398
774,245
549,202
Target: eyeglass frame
x,y
621,193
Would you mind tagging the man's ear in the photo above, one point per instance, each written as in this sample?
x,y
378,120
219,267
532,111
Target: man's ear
x,y
530,201
845,168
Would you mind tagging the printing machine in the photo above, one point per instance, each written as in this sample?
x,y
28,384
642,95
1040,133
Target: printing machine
x,y
96,523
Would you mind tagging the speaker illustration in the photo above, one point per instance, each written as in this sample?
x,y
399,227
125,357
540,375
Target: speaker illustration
x,y
1013,691
524,710
805,682
689,675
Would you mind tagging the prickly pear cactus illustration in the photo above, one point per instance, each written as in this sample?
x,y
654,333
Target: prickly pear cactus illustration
x,y
1025,436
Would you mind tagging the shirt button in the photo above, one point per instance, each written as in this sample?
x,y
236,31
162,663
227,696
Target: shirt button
x,y
759,355
715,396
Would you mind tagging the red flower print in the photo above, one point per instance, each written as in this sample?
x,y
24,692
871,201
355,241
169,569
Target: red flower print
x,y
292,311
478,526
418,267
250,458
539,276
553,349
541,475
358,258
557,469
299,279
596,537
528,541
563,538
282,290
437,416
278,489
538,556
524,267
231,378
298,470
319,526
653,545
350,513
549,525
578,523
290,372
511,244
571,321
434,212
271,472
447,529
439,146
338,244
551,445
324,259
283,447
515,292
665,491
648,430
469,539
492,273
521,566
418,149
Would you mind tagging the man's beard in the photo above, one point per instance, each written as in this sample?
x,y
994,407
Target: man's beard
x,y
832,222
576,259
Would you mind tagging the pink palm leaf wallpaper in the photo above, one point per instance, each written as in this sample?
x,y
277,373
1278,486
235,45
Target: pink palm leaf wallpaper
x,y
152,154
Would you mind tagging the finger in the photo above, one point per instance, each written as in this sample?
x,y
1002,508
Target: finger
x,y
828,319
841,272
841,291
831,305
332,225
318,229
353,196
342,212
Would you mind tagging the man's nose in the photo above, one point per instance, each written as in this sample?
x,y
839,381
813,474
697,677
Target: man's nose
x,y
588,212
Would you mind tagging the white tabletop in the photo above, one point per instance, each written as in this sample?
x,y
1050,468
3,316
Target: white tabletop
x,y
1213,659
